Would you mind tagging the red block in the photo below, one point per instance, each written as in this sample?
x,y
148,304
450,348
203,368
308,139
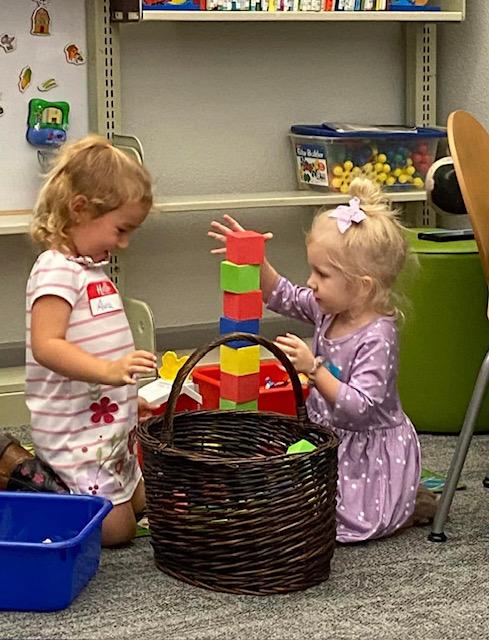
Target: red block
x,y
240,388
242,306
245,247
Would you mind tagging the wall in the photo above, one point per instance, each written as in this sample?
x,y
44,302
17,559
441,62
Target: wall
x,y
212,105
463,56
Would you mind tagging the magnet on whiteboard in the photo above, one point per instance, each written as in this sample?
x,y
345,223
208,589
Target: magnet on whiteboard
x,y
73,54
25,77
8,43
40,20
47,85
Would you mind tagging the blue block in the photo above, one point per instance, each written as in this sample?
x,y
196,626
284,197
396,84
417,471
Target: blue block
x,y
227,325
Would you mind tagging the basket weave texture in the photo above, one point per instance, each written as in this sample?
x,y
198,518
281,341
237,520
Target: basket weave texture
x,y
228,509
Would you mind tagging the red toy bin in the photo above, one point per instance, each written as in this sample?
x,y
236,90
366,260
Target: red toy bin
x,y
278,399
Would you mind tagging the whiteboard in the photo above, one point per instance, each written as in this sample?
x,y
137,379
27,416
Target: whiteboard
x,y
19,167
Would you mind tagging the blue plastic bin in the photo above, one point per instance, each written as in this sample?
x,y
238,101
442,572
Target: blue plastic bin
x,y
37,576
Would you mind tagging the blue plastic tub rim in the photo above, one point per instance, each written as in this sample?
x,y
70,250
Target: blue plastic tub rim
x,y
105,507
321,130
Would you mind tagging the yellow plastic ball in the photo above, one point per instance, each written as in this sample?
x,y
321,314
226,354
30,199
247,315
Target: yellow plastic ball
x,y
410,170
344,188
381,158
348,164
418,182
387,168
367,167
382,177
337,170
397,172
409,162
379,166
336,183
403,178
390,181
356,171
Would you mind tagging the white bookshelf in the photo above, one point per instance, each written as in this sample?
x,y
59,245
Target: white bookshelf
x,y
17,222
302,16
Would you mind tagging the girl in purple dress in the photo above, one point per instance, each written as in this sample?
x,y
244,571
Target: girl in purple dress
x,y
355,253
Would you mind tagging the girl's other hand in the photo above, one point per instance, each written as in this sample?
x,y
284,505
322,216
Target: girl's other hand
x,y
297,351
125,370
220,230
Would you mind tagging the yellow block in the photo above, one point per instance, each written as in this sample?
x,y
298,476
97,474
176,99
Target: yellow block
x,y
240,362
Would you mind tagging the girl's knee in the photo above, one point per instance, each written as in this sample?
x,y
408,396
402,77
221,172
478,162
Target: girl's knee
x,y
119,526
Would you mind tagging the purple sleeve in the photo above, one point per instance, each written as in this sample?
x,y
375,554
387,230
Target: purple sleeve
x,y
370,382
294,301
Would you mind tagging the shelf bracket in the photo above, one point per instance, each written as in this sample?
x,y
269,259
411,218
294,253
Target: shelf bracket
x,y
420,96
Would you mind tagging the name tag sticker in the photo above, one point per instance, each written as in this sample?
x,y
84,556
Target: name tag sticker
x,y
103,297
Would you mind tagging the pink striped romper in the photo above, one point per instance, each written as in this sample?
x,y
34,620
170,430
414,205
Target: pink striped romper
x,y
85,432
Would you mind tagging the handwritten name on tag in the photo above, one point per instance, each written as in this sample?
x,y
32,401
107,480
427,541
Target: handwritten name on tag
x,y
103,298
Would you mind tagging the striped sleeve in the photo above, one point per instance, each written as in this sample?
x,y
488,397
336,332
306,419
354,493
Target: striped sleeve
x,y
54,275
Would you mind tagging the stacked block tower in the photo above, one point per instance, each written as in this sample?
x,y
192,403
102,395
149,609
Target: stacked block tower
x,y
242,308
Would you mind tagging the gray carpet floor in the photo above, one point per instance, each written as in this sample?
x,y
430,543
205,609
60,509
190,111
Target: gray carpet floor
x,y
402,588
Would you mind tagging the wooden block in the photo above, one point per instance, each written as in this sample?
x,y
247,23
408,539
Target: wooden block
x,y
240,388
227,325
243,306
239,362
239,278
245,247
252,405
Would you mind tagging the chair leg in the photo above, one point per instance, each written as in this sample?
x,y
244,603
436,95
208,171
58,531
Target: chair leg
x,y
437,534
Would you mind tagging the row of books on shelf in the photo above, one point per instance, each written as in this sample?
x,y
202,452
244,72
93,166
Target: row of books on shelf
x,y
291,5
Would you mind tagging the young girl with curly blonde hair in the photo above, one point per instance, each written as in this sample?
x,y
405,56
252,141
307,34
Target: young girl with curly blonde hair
x,y
81,366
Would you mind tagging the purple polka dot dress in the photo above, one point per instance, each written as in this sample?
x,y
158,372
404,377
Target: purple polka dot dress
x,y
379,456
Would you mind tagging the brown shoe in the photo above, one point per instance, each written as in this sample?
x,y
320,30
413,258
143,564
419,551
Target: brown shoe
x,y
11,455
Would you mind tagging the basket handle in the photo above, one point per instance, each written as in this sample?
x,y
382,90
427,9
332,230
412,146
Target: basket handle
x,y
198,354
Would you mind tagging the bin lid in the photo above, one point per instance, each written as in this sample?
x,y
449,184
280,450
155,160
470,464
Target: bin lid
x,y
327,131
428,246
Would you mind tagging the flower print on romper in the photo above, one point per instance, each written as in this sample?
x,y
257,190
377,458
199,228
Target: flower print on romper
x,y
103,410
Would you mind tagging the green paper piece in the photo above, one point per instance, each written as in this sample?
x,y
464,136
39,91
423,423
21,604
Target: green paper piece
x,y
435,482
303,446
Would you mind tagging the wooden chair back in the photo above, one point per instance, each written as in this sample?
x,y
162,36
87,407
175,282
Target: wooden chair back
x,y
469,148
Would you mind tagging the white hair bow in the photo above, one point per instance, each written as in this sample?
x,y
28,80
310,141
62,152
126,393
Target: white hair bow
x,y
345,214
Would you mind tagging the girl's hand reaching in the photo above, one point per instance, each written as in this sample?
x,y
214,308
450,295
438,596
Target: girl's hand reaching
x,y
125,370
297,351
221,230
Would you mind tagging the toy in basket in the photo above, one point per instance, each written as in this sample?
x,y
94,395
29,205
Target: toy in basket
x,y
228,509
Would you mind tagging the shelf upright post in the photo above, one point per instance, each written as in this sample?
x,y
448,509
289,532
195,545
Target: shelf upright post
x,y
104,96
420,96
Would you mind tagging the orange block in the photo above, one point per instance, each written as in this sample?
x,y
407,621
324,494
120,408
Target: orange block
x,y
240,388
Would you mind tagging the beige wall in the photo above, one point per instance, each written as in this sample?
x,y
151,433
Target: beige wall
x,y
463,56
212,104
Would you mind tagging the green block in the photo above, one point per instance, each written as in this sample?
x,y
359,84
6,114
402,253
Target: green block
x,y
252,405
303,446
239,278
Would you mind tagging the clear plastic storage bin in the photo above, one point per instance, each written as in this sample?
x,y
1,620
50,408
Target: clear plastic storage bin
x,y
326,159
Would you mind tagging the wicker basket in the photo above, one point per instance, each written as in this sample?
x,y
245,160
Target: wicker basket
x,y
228,509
